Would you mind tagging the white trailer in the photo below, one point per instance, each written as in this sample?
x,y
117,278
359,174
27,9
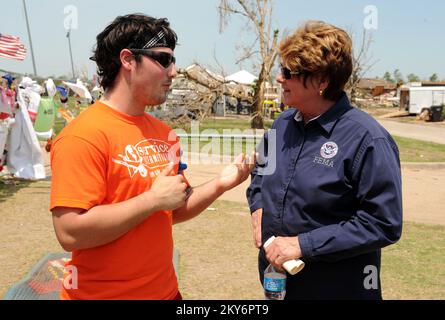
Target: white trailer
x,y
416,99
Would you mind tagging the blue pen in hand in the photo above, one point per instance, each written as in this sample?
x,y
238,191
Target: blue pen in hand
x,y
182,166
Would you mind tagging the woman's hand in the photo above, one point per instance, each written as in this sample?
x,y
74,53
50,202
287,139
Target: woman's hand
x,y
283,249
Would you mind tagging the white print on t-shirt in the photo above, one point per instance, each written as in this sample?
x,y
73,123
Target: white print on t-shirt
x,y
148,156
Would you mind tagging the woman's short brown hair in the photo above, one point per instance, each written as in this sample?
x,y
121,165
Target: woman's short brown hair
x,y
320,49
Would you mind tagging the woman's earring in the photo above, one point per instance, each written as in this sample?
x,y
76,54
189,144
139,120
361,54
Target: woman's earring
x,y
321,92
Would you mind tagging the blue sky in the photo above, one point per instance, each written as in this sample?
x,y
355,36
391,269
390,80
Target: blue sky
x,y
410,34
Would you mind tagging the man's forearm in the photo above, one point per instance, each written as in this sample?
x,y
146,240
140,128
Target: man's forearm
x,y
199,200
103,224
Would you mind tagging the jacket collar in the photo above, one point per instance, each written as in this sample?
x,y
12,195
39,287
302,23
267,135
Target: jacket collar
x,y
328,119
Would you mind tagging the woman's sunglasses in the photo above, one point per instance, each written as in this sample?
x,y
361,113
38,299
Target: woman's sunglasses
x,y
287,73
163,58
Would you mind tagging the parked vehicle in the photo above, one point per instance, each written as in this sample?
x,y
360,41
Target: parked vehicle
x,y
415,99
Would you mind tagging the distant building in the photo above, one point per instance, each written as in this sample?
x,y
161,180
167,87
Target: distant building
x,y
272,92
432,83
376,87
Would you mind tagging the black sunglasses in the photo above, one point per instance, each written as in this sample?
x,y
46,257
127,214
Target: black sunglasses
x,y
287,73
163,58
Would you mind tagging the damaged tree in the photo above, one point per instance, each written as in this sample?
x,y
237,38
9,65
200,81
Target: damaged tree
x,y
258,14
206,86
361,63
196,89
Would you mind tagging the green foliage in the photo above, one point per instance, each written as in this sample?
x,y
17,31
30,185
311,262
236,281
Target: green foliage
x,y
413,78
434,77
387,76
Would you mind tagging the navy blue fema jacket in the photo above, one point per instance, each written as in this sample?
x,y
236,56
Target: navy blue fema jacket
x,y
336,184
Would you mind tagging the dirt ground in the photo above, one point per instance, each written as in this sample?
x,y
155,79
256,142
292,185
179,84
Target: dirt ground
x,y
408,126
27,232
423,190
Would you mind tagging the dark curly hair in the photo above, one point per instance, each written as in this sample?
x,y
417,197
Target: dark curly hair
x,y
129,31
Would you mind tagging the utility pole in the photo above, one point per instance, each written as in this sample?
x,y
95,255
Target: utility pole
x,y
30,39
68,35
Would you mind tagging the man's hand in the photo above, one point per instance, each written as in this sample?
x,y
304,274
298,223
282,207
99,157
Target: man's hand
x,y
283,249
168,190
256,227
235,173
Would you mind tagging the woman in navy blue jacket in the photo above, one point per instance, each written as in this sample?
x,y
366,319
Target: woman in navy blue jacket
x,y
327,183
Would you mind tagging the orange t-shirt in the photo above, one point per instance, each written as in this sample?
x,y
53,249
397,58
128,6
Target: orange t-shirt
x,y
104,157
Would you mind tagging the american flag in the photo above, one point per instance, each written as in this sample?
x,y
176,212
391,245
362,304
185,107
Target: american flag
x,y
11,47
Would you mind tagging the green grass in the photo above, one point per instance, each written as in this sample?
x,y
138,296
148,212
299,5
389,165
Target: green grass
x,y
58,126
414,268
412,150
10,186
219,124
221,146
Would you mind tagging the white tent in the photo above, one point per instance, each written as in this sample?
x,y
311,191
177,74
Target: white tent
x,y
242,77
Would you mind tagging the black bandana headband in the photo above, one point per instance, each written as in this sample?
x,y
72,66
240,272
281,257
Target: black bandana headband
x,y
157,41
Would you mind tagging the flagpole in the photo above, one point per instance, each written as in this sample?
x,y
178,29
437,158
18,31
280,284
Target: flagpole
x,y
30,39
68,35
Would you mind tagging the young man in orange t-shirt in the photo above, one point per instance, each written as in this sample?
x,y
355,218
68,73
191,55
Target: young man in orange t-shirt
x,y
115,189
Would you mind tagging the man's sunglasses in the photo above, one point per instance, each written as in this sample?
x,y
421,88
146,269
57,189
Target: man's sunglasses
x,y
163,58
287,73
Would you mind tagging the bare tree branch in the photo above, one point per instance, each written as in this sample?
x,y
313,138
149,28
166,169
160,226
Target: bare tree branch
x,y
246,56
259,14
221,68
199,89
250,11
361,63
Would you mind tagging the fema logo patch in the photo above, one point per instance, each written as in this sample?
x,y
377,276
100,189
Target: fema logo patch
x,y
329,150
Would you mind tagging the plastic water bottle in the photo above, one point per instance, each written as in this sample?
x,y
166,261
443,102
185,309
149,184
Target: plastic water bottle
x,y
274,283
